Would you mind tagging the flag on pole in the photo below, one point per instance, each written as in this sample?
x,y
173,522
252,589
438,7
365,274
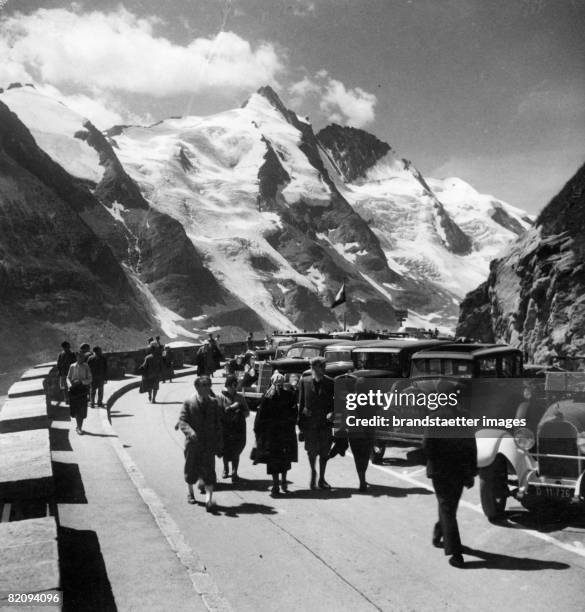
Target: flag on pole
x,y
339,297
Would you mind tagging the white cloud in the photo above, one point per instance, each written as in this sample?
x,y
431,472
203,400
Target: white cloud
x,y
356,105
118,51
352,106
302,89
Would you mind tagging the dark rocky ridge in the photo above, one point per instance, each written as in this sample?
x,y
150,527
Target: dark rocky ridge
x,y
535,294
352,150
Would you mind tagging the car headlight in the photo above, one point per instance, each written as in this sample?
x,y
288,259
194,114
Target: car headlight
x,y
581,442
524,438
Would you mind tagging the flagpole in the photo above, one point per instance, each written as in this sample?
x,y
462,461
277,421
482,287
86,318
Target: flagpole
x,y
345,305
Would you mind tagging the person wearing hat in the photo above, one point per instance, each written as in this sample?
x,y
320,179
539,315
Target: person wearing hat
x,y
275,429
315,418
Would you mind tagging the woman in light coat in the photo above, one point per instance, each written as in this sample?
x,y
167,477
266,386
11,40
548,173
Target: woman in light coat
x,y
79,378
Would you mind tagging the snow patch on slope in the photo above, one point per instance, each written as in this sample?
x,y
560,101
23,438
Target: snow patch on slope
x,y
53,127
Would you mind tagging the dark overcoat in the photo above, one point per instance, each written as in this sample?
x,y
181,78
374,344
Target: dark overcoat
x,y
275,429
202,420
315,402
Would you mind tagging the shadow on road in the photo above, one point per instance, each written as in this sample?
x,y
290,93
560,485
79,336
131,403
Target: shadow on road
x,y
69,487
375,490
84,578
244,508
59,439
97,435
59,413
244,485
157,403
118,415
506,562
545,520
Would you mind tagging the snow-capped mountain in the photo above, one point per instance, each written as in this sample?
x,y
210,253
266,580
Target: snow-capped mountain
x,y
247,218
534,297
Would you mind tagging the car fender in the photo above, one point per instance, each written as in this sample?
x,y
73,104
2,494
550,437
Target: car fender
x,y
493,442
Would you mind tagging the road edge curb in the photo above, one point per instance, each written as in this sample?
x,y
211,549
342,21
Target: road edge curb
x,y
202,582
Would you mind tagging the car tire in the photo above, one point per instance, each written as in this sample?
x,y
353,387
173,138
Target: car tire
x,y
493,488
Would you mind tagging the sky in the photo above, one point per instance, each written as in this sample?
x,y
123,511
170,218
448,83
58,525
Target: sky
x,y
491,91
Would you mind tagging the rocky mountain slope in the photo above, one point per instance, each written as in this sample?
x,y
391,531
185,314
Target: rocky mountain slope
x,y
56,275
534,297
247,218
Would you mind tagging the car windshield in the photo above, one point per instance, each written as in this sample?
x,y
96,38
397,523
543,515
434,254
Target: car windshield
x,y
441,367
342,355
302,352
378,361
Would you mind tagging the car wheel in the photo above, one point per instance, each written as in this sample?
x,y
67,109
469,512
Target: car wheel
x,y
378,453
493,488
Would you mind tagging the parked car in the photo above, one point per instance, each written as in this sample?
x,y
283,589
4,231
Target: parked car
x,y
292,365
388,358
496,375
548,459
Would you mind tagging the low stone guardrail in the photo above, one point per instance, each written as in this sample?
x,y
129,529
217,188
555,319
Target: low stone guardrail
x,y
29,555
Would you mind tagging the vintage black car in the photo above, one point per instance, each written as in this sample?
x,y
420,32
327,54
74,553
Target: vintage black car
x,y
388,358
292,365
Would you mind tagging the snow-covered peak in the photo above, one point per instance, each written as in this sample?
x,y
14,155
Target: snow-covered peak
x,y
57,129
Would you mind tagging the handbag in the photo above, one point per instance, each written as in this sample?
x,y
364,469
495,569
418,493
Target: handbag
x,y
259,454
142,388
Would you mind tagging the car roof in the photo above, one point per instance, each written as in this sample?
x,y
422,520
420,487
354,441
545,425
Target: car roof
x,y
347,344
465,351
317,342
400,343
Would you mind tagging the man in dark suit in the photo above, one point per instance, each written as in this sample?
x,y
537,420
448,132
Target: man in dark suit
x,y
451,465
315,418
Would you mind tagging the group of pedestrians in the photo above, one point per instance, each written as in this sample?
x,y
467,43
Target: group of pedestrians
x,y
216,426
82,376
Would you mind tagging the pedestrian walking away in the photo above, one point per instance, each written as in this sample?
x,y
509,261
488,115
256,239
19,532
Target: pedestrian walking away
x,y
275,429
315,418
451,465
79,377
168,364
207,359
151,370
200,422
234,411
98,366
64,360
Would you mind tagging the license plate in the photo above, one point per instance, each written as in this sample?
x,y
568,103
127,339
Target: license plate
x,y
559,492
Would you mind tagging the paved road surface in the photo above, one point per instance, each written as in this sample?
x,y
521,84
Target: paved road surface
x,y
342,550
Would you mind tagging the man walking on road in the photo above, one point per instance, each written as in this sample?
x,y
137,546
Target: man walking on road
x,y
98,366
200,422
451,465
315,418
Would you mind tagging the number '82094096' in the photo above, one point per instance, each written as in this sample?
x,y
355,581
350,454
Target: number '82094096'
x,y
27,599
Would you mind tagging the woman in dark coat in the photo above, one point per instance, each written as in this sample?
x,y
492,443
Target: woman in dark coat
x,y
234,411
151,370
79,377
275,429
200,422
